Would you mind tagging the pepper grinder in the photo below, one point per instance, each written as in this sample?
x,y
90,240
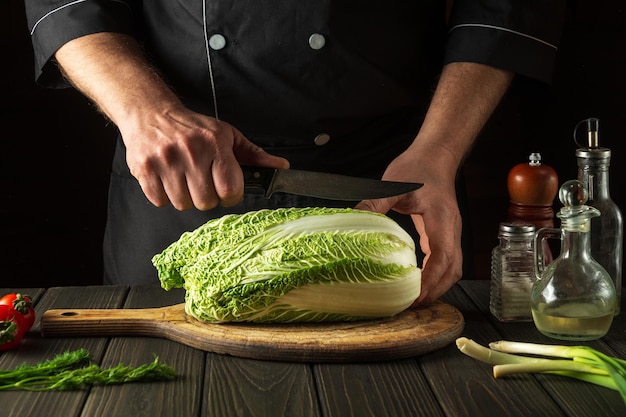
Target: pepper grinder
x,y
532,188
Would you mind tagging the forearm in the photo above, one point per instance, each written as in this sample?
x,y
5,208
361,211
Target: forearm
x,y
465,97
111,70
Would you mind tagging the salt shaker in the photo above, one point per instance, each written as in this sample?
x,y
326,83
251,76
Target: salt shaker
x,y
512,272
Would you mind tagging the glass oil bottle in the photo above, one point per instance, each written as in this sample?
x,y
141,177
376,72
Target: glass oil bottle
x,y
574,297
607,229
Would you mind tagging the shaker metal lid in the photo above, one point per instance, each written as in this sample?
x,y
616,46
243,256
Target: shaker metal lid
x,y
517,228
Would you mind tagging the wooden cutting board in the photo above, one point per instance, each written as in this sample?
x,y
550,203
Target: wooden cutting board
x,y
410,333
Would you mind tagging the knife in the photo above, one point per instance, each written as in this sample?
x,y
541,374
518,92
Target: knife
x,y
322,184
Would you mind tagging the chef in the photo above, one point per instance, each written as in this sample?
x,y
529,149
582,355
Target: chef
x,y
396,90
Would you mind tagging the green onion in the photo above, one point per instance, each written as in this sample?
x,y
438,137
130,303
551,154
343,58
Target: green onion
x,y
580,362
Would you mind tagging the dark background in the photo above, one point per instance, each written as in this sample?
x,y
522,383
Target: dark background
x,y
56,149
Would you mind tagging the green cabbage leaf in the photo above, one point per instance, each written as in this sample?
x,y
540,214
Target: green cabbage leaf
x,y
293,265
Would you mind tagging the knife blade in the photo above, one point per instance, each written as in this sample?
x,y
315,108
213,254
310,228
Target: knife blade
x,y
322,184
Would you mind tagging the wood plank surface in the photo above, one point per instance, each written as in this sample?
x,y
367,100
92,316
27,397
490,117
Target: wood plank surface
x,y
386,389
245,387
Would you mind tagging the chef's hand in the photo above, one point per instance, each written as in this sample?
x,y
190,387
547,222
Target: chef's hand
x,y
178,156
466,95
435,213
189,159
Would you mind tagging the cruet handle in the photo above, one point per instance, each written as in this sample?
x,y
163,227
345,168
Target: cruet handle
x,y
539,249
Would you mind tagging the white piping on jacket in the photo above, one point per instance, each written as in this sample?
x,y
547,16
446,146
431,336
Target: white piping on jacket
x,y
208,57
481,25
72,3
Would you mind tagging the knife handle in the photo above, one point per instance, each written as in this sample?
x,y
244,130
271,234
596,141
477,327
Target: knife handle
x,y
258,177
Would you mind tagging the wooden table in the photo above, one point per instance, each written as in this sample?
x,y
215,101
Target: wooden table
x,y
442,383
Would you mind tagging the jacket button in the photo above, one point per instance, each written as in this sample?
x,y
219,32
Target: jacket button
x,y
317,41
217,42
322,139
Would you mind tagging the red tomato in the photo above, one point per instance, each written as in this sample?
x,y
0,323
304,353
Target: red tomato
x,y
10,332
22,305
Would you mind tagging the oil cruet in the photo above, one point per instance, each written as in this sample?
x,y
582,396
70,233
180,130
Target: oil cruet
x,y
574,297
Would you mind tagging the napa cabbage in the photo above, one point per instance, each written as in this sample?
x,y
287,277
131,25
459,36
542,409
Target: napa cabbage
x,y
293,265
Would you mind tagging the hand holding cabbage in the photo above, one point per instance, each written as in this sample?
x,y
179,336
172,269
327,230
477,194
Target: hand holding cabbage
x,y
293,265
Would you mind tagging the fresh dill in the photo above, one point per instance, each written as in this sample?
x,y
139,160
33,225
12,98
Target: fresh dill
x,y
72,370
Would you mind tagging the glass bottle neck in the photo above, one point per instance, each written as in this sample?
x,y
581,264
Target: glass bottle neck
x,y
575,244
596,179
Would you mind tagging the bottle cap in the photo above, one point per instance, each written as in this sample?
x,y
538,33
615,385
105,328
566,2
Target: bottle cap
x,y
591,149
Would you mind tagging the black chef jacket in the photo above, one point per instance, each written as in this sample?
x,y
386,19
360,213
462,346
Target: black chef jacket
x,y
332,85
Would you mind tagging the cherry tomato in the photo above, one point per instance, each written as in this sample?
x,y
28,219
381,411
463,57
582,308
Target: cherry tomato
x,y
22,305
10,332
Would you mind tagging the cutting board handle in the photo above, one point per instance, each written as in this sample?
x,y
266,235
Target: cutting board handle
x,y
110,322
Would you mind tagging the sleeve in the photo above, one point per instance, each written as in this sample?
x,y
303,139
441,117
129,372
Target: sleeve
x,y
52,23
517,35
